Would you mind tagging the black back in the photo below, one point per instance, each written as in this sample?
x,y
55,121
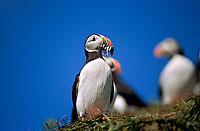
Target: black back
x,y
128,93
74,115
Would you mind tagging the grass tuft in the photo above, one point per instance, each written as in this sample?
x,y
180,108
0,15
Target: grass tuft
x,y
183,116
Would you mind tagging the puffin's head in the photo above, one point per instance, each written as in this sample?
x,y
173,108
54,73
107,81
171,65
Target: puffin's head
x,y
98,43
167,47
113,63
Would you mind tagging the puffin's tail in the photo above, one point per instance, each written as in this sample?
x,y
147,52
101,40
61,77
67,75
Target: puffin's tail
x,y
74,115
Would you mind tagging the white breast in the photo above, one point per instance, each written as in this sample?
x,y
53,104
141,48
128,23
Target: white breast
x,y
120,105
94,88
178,77
196,89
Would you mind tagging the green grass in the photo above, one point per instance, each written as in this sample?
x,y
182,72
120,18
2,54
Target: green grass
x,y
182,116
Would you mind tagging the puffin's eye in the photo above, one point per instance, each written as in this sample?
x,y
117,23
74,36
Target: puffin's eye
x,y
93,39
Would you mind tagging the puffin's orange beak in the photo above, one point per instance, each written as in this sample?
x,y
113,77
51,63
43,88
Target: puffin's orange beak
x,y
110,47
109,42
117,66
158,51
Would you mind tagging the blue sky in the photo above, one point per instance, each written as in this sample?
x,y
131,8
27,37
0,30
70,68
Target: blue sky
x,y
42,50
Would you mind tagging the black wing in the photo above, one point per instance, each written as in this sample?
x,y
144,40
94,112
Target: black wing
x,y
198,71
112,94
160,93
129,94
74,115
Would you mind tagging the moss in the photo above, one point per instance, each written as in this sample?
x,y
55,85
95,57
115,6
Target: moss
x,y
183,116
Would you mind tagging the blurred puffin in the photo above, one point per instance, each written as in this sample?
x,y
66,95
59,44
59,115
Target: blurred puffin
x,y
127,100
179,75
196,89
92,92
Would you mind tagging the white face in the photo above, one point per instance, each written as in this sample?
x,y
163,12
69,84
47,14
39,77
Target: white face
x,y
170,46
167,47
97,43
113,63
93,42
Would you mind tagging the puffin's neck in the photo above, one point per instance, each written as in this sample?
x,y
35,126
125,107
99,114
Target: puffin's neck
x,y
92,56
180,53
115,75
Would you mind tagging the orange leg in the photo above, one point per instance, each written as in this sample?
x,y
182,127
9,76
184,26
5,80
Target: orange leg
x,y
103,118
83,118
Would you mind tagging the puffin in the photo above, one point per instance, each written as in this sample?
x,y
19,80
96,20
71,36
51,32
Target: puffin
x,y
196,89
93,88
178,77
127,99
